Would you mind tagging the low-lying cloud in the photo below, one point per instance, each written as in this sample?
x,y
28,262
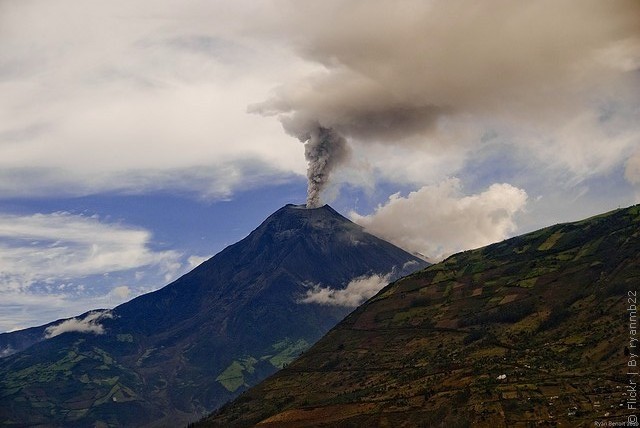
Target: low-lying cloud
x,y
89,324
5,352
439,220
353,295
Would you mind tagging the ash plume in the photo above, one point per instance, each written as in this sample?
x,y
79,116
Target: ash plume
x,y
401,73
324,149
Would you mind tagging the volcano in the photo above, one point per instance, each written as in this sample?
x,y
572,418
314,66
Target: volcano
x,y
170,356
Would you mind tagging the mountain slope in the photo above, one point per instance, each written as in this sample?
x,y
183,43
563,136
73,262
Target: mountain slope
x,y
172,355
524,332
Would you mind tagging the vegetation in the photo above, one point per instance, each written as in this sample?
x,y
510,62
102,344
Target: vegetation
x,y
508,313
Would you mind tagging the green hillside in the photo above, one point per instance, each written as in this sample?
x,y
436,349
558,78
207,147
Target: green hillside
x,y
530,331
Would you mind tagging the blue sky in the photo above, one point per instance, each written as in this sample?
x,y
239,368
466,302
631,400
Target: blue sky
x,y
139,138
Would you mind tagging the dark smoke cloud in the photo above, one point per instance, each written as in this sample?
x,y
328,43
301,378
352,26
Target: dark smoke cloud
x,y
324,149
325,131
394,72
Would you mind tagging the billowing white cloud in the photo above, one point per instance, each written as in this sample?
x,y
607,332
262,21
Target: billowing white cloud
x,y
89,324
439,220
353,295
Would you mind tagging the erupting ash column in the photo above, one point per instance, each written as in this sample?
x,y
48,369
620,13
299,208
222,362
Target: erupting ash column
x,y
324,149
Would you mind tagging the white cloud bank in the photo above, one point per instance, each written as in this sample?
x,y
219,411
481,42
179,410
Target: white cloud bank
x,y
137,96
353,295
61,245
89,324
439,220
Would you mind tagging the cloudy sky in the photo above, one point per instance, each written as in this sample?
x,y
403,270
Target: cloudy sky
x,y
138,138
